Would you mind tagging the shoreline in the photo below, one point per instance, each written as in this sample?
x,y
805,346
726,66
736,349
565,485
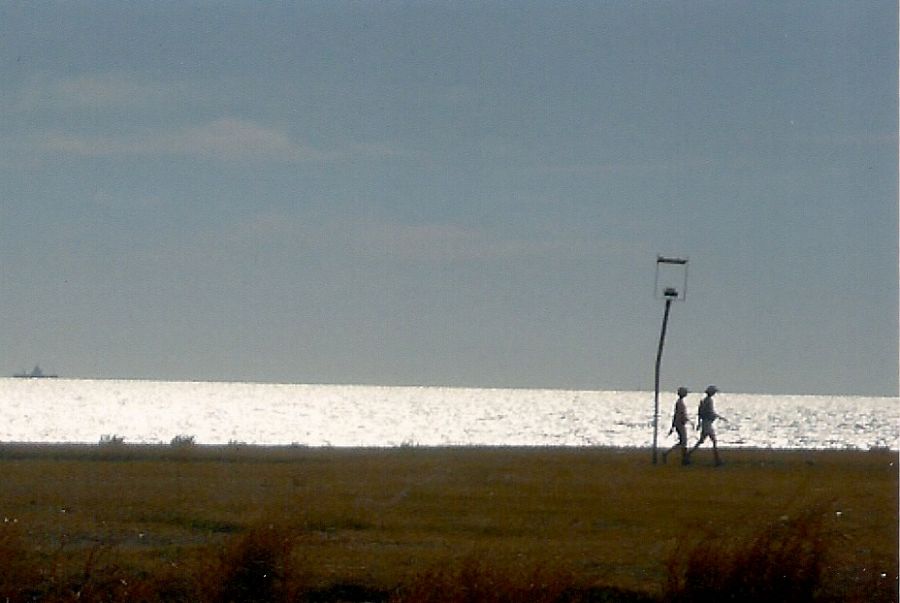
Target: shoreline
x,y
17,444
287,452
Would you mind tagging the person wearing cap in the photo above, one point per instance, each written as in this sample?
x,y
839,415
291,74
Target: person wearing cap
x,y
679,420
706,415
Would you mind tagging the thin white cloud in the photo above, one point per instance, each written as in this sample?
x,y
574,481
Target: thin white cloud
x,y
225,139
409,243
129,99
232,139
95,91
449,242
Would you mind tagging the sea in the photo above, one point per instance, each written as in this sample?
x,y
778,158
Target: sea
x,y
215,413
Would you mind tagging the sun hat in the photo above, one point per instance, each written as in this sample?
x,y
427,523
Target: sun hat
x,y
711,390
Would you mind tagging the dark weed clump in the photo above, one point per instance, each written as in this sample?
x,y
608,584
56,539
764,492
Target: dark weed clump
x,y
475,579
785,561
18,574
256,568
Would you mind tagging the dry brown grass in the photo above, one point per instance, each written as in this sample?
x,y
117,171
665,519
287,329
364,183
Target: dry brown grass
x,y
216,524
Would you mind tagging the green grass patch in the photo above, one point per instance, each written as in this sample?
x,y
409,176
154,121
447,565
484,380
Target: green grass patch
x,y
440,525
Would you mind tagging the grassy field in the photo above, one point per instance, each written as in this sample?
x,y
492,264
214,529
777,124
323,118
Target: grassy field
x,y
151,523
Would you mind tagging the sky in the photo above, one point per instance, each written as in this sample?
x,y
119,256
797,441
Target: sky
x,y
451,193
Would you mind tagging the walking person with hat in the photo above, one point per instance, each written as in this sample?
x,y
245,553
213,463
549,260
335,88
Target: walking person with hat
x,y
679,420
707,415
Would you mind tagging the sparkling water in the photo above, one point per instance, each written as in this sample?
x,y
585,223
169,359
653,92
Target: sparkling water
x,y
64,410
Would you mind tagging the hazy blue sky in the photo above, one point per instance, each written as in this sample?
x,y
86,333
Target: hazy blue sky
x,y
451,193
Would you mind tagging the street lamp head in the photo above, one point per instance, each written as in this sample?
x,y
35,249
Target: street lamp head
x,y
671,278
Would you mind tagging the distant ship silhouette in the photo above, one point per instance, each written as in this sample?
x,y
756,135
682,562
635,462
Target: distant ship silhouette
x,y
36,373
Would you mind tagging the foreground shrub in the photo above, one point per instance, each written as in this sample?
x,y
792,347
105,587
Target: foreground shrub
x,y
256,568
473,580
783,562
17,573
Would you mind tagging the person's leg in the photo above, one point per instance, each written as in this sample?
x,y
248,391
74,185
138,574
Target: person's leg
x,y
687,457
700,441
682,443
715,450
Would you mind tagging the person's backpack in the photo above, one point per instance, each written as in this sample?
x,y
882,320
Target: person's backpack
x,y
706,411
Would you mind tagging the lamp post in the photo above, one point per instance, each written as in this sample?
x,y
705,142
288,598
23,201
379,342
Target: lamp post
x,y
669,287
